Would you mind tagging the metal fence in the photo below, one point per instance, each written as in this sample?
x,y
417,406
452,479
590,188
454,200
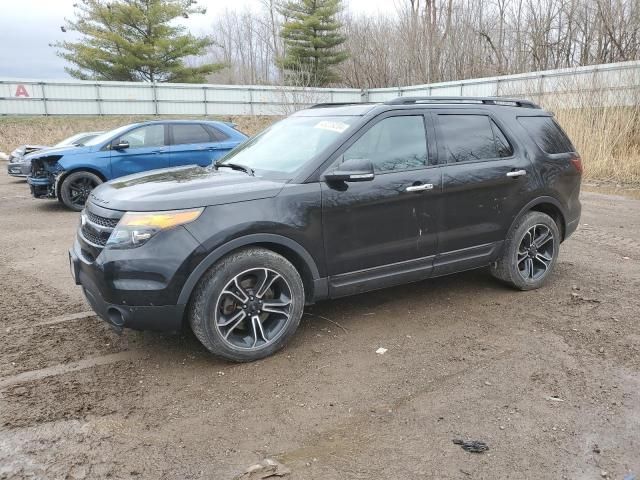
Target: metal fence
x,y
615,84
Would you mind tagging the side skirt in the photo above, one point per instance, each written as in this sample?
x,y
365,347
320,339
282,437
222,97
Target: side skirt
x,y
466,258
414,270
380,277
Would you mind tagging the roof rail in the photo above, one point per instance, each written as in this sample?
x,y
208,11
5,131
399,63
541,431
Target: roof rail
x,y
337,104
514,102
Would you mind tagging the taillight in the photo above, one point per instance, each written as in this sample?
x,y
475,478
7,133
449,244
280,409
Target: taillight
x,y
577,163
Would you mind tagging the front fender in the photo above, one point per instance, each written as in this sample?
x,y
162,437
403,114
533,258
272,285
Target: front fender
x,y
247,240
100,166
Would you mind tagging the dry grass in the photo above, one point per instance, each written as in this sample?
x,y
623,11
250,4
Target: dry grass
x,y
607,138
16,131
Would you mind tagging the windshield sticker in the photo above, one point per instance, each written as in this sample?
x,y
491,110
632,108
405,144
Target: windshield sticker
x,y
333,126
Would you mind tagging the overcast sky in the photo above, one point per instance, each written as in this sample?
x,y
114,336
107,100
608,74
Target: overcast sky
x,y
27,27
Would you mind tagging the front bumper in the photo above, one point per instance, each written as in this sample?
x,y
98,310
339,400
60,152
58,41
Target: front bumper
x,y
41,187
121,315
137,288
19,169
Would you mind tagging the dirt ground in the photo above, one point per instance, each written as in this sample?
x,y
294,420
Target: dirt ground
x,y
549,379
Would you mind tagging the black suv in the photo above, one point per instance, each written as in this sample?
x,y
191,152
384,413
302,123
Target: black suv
x,y
332,201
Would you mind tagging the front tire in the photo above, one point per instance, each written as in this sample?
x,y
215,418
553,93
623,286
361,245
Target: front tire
x,y
76,187
530,252
248,305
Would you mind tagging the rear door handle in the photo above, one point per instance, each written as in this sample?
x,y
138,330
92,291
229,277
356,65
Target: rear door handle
x,y
516,173
419,188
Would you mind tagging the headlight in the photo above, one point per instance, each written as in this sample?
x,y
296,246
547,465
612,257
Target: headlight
x,y
136,228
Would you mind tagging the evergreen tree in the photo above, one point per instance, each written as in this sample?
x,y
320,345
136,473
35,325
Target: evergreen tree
x,y
134,40
312,40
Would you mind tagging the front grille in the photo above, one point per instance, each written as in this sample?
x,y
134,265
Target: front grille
x,y
96,229
102,221
94,236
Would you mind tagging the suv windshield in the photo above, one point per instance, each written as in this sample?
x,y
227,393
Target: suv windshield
x,y
289,144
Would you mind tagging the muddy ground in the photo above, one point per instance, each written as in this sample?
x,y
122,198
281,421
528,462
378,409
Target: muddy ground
x,y
549,379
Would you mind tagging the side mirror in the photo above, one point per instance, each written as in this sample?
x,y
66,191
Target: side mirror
x,y
121,145
353,170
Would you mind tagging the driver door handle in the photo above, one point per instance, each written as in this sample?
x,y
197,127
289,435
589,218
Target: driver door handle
x,y
516,173
419,188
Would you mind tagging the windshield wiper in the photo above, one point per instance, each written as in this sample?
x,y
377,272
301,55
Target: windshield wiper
x,y
237,166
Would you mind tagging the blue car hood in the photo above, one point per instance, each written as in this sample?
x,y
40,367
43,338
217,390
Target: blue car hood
x,y
182,187
61,151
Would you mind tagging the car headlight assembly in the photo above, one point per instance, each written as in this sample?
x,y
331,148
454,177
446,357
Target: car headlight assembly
x,y
137,228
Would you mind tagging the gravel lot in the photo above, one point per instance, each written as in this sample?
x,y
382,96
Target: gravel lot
x,y
548,379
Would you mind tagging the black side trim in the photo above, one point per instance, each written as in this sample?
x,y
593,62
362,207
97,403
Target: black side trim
x,y
466,258
380,277
320,289
247,240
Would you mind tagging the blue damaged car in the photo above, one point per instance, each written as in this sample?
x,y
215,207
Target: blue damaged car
x,y
69,174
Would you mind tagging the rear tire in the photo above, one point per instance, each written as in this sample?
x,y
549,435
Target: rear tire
x,y
76,187
248,305
530,252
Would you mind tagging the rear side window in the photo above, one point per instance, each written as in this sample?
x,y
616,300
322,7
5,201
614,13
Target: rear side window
x,y
190,133
547,134
467,138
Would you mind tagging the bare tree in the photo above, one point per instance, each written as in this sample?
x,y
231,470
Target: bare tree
x,y
248,43
424,41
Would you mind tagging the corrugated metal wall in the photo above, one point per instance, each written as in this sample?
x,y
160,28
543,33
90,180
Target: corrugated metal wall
x,y
608,84
615,84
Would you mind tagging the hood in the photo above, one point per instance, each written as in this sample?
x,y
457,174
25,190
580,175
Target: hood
x,y
183,187
27,149
60,151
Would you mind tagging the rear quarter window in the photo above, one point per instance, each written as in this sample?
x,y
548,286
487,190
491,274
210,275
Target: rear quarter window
x,y
547,134
217,134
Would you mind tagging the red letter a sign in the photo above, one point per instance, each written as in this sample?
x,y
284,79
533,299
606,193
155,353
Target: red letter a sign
x,y
21,91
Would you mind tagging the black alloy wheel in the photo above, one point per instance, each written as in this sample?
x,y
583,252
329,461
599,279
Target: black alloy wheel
x,y
253,309
247,305
530,252
536,252
76,188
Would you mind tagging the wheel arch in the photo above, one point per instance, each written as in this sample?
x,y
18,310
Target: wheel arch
x,y
288,248
547,205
